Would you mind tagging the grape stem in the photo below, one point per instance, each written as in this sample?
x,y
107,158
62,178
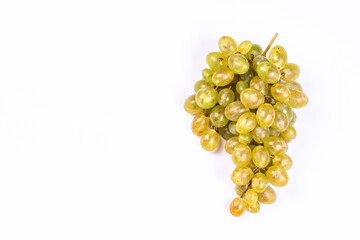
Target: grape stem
x,y
269,46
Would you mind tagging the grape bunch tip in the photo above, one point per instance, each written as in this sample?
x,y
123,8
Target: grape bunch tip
x,y
248,99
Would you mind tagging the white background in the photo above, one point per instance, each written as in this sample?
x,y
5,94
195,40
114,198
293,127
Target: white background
x,y
95,144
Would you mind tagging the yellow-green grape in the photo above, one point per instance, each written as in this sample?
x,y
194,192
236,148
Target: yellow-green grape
x,y
260,156
216,60
209,140
268,72
252,98
226,96
248,75
276,145
278,56
297,99
268,196
190,105
283,160
241,86
255,50
284,108
217,117
265,115
251,165
290,72
280,92
222,77
230,144
281,121
225,133
257,60
260,134
293,119
227,45
251,196
274,133
277,176
289,133
232,128
199,124
202,84
241,155
207,74
242,175
206,97
240,189
244,47
259,84
254,207
234,110
245,138
237,207
259,182
294,86
238,63
246,122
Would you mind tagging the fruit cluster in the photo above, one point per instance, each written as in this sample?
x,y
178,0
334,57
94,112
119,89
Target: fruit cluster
x,y
248,99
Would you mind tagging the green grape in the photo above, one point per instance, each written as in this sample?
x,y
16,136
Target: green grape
x,y
259,182
232,128
251,165
234,110
227,45
289,133
241,86
240,189
237,207
278,56
217,117
226,96
245,138
244,47
238,63
207,74
225,133
241,155
259,84
277,176
274,133
206,97
255,50
260,156
284,108
222,77
257,60
268,72
297,99
242,175
265,115
216,60
252,98
268,196
190,105
294,86
290,72
275,145
280,92
199,124
202,84
283,160
209,140
251,196
246,122
281,122
260,134
230,144
293,119
253,208
248,75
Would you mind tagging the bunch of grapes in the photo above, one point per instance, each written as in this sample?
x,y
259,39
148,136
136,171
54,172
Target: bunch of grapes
x,y
248,100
